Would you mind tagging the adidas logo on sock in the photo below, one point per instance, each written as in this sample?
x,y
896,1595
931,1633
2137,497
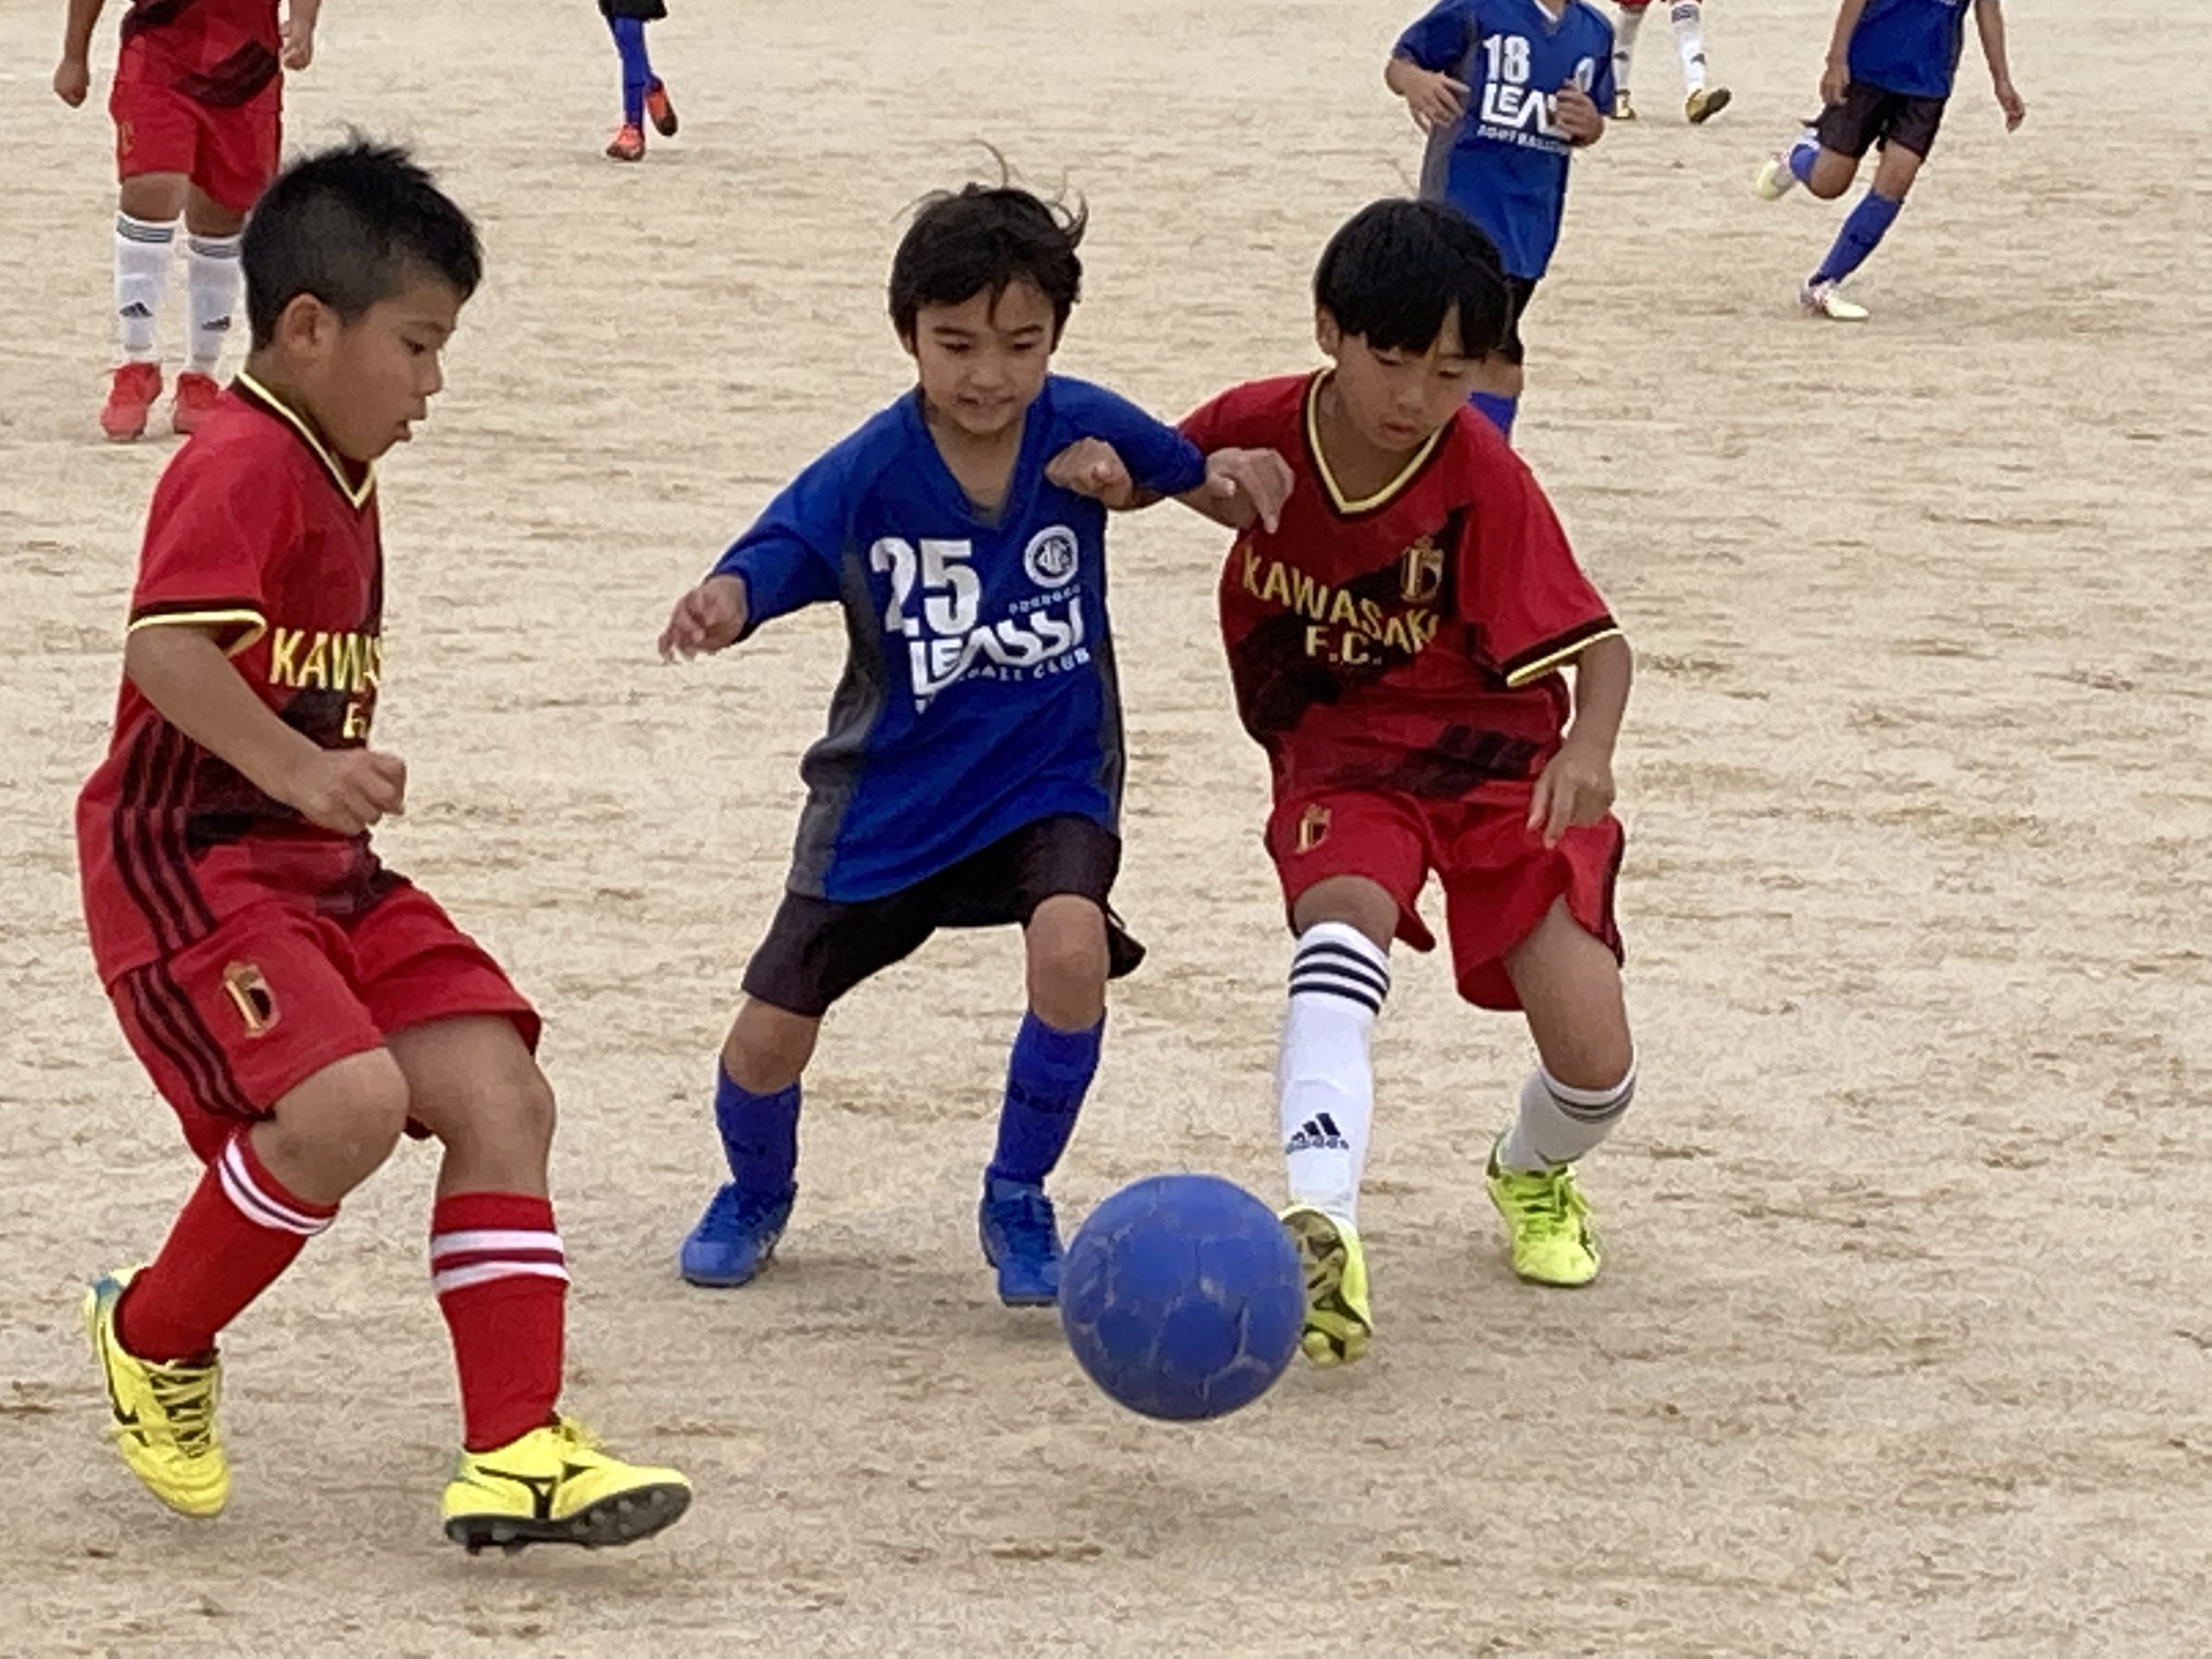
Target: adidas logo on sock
x,y
1318,1133
137,311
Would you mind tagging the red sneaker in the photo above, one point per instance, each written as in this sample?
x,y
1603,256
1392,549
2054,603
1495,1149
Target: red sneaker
x,y
196,396
662,112
129,396
629,145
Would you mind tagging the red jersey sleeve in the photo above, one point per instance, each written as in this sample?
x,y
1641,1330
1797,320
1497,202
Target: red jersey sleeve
x,y
213,535
1521,588
1240,418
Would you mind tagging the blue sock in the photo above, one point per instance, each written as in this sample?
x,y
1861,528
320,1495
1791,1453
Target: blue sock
x,y
1046,1081
759,1135
1803,155
1861,234
637,68
1497,411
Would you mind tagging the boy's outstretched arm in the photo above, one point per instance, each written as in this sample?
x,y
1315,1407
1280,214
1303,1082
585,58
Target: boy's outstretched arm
x,y
1989,23
1577,786
1241,485
710,617
183,671
1835,77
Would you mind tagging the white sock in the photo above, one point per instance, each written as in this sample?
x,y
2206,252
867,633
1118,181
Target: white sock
x,y
1557,1124
1689,41
211,264
1627,25
141,274
1324,1085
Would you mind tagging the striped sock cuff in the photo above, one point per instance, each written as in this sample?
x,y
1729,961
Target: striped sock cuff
x,y
261,1199
1591,1105
1338,961
480,1238
144,229
215,247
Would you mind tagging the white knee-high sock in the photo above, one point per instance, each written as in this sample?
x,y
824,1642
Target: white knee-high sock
x,y
211,265
1627,23
1689,41
142,275
1326,1084
1557,1124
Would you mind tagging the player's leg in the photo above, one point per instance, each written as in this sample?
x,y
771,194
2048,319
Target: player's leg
x,y
629,144
1627,23
147,207
659,108
815,951
1824,157
1350,867
1501,375
526,1474
212,287
276,1073
1058,875
1701,101
1869,221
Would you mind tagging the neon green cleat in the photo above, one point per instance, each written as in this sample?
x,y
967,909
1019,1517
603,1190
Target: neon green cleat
x,y
1547,1221
1338,1323
1774,180
164,1416
555,1486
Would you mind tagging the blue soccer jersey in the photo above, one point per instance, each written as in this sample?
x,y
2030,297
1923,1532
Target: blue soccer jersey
x,y
1505,165
979,693
1910,46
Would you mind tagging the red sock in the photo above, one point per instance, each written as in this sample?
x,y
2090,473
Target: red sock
x,y
236,1233
503,1282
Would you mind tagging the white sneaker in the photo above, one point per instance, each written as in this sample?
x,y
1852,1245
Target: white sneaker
x,y
1825,300
1775,180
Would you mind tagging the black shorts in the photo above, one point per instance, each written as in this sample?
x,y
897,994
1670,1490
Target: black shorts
x,y
1519,291
1869,115
817,949
645,12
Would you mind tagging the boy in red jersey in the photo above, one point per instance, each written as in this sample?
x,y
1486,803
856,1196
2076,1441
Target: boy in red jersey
x,y
198,106
1396,645
295,1003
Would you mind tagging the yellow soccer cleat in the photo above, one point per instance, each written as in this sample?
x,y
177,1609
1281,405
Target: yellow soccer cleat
x,y
1623,109
555,1486
1702,105
164,1416
1338,1323
1547,1221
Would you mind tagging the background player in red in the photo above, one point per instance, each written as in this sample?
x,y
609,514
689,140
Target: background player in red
x,y
1701,101
296,1003
198,105
1396,646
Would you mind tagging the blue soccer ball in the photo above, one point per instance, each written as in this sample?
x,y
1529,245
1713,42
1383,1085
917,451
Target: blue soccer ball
x,y
1182,1297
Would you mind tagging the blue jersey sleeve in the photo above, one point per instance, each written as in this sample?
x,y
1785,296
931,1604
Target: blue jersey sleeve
x,y
792,555
1160,459
1440,41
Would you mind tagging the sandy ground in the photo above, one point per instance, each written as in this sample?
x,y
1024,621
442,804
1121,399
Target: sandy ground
x,y
1902,1344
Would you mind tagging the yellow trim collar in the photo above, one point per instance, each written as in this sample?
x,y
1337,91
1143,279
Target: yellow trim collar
x,y
357,496
1382,497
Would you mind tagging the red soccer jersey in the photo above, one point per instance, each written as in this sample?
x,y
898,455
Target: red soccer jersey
x,y
1410,641
258,530
220,52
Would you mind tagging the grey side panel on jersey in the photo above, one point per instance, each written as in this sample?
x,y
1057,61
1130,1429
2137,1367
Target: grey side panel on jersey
x,y
1113,752
831,769
1436,154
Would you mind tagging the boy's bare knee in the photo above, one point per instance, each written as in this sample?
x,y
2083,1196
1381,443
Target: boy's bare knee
x,y
769,1047
334,1130
1067,960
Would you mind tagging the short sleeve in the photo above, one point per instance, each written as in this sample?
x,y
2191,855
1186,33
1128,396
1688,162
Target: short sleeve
x,y
1219,423
1520,586
215,535
1160,459
793,556
1439,40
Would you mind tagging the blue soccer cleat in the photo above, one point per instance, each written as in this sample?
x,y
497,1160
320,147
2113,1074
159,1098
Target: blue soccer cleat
x,y
735,1237
1021,1240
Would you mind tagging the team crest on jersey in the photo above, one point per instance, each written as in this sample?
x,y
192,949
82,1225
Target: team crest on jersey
x,y
251,995
1050,558
1421,572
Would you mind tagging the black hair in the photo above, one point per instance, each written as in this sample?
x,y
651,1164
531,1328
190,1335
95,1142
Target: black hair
x,y
1397,268
984,237
352,225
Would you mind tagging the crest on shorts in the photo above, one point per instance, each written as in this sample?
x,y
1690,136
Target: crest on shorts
x,y
1312,828
1421,574
251,995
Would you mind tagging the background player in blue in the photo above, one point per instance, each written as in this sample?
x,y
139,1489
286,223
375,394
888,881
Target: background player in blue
x,y
1506,89
1890,67
644,94
971,773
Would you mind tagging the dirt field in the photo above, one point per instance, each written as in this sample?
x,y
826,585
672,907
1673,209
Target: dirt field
x,y
1903,1345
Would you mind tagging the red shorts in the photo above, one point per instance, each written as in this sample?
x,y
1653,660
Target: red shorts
x,y
231,1024
229,153
1499,879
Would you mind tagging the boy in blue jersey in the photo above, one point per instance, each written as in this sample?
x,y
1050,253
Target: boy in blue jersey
x,y
971,773
1890,67
1507,91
